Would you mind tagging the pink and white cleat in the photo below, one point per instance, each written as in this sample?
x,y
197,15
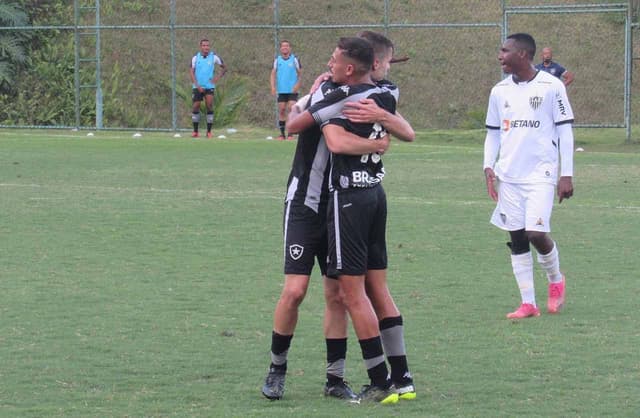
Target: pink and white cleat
x,y
556,297
524,311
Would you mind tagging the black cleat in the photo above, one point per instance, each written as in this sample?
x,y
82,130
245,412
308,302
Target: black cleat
x,y
372,393
273,387
341,390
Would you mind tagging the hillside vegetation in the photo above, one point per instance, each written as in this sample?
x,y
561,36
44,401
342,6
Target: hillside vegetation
x,y
445,84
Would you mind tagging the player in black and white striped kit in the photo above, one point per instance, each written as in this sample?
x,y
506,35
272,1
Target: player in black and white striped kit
x,y
305,239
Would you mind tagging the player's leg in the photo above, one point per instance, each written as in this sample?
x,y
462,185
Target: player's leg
x,y
390,320
348,222
335,332
196,98
299,223
391,326
282,116
509,215
539,207
285,319
209,102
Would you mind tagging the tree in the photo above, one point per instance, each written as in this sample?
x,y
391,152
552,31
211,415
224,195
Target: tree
x,y
12,43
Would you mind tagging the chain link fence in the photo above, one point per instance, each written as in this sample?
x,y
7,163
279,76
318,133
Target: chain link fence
x,y
127,63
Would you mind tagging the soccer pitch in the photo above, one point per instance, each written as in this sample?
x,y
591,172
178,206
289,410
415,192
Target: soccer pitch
x,y
138,277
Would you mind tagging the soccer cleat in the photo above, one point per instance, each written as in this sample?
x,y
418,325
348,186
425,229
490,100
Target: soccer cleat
x,y
372,393
281,138
209,134
556,297
341,390
273,387
405,390
524,311
290,137
194,134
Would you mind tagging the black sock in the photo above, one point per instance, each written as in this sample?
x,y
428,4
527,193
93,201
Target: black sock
x,y
336,355
281,124
279,349
373,356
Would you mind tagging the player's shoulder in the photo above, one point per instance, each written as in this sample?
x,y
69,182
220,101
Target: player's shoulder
x,y
546,79
502,85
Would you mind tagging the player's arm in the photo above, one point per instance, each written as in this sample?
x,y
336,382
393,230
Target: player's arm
x,y
565,184
192,73
368,111
298,118
491,150
567,77
223,71
296,87
339,141
319,80
272,79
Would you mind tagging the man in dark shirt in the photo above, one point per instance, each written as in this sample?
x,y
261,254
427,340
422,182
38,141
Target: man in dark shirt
x,y
553,67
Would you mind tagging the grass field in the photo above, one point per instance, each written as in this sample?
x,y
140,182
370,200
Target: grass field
x,y
138,277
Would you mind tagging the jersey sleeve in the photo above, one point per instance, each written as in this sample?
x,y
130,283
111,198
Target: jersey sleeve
x,y
329,107
298,63
562,111
193,61
275,63
217,60
493,114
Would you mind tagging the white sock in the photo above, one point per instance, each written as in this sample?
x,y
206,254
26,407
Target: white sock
x,y
523,270
551,265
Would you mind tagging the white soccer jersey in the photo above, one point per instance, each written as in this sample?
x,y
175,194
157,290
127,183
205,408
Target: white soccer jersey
x,y
527,115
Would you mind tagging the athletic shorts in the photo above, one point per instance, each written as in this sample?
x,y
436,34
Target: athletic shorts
x,y
356,225
196,96
287,97
524,206
305,239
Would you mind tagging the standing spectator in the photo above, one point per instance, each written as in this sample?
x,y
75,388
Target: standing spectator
x,y
202,72
529,122
285,81
553,67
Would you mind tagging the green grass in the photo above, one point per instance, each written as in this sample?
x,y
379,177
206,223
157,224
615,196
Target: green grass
x,y
138,278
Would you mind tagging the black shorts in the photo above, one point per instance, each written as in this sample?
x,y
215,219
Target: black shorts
x,y
305,239
287,97
356,225
196,96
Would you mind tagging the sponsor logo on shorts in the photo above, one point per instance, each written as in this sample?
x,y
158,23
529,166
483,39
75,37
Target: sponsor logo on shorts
x,y
295,251
503,218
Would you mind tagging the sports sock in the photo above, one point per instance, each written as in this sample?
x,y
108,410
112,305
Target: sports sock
x,y
374,362
209,121
551,265
336,355
522,265
392,335
279,349
195,118
281,124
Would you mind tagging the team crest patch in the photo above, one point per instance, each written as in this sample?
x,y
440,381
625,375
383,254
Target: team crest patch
x,y
535,102
539,222
295,251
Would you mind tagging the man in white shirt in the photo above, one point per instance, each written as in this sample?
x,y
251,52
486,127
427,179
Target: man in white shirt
x,y
529,125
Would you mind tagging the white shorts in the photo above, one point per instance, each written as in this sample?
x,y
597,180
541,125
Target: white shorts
x,y
524,206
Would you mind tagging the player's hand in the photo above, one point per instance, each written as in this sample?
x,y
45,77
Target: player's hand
x,y
321,79
364,111
383,144
200,89
490,177
273,91
565,188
